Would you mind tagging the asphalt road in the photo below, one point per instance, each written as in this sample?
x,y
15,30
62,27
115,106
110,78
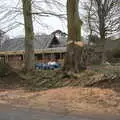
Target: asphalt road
x,y
14,113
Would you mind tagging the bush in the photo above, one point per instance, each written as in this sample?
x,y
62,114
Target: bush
x,y
116,53
4,69
113,56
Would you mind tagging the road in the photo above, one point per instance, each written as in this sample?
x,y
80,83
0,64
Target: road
x,y
8,112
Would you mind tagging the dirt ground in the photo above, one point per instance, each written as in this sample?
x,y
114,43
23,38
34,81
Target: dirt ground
x,y
71,100
94,91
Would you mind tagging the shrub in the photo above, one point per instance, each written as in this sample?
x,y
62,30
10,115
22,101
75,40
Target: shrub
x,y
116,53
4,69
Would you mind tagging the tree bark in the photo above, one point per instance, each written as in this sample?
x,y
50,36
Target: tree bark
x,y
29,35
73,56
89,21
102,29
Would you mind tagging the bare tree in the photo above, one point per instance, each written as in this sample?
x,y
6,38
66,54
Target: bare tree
x,y
103,19
32,11
11,14
103,16
1,37
29,35
73,60
87,6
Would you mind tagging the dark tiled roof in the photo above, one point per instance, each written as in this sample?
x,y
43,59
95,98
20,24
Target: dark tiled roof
x,y
40,42
13,44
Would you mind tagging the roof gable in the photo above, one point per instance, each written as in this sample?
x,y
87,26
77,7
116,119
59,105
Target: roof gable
x,y
54,42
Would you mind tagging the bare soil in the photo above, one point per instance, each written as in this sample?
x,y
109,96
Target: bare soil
x,y
88,92
71,100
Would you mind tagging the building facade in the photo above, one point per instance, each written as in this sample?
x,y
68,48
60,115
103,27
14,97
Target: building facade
x,y
46,48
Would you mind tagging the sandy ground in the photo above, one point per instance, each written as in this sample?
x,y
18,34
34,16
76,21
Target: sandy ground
x,y
71,100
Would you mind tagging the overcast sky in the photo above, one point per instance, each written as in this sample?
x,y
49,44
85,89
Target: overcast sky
x,y
47,24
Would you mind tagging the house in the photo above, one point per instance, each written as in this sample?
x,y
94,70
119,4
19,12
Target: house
x,y
47,47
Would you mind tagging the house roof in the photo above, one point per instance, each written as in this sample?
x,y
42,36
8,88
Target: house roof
x,y
41,42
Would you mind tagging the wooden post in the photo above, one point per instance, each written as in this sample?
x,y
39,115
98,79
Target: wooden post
x,y
23,57
51,56
6,58
43,57
60,56
23,62
54,56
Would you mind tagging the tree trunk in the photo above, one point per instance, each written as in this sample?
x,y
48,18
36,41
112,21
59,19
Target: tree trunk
x,y
89,21
29,35
103,40
102,27
73,56
103,58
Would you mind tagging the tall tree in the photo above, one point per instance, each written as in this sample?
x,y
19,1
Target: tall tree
x,y
1,37
73,61
29,35
104,16
88,7
104,19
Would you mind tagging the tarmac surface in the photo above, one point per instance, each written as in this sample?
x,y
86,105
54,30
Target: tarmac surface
x,y
8,112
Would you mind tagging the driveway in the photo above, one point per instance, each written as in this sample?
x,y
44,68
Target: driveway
x,y
8,112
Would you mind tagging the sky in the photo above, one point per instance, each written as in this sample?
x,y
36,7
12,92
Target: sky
x,y
46,24
42,25
51,24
